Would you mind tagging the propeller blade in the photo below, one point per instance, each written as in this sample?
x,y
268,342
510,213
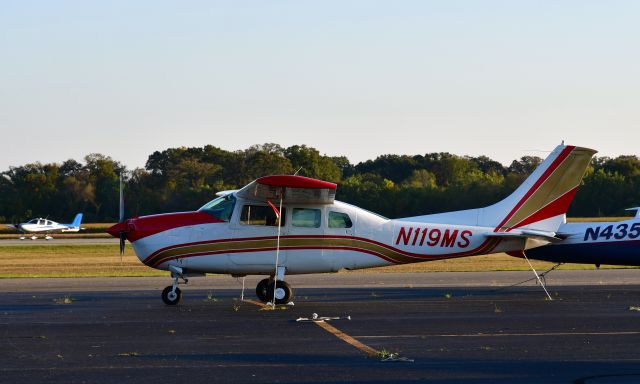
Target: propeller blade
x,y
123,237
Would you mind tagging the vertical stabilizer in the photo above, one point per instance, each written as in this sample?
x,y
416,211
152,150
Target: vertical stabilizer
x,y
76,220
541,202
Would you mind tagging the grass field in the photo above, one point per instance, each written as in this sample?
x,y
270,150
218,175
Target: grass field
x,y
70,261
104,260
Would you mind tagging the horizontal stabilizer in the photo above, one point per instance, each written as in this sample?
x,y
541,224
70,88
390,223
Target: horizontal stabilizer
x,y
550,237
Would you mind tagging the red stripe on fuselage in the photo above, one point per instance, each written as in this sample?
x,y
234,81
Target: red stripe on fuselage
x,y
141,227
486,245
404,253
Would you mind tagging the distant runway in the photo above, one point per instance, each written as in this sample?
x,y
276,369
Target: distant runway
x,y
453,326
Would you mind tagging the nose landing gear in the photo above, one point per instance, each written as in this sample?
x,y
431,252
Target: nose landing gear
x,y
171,295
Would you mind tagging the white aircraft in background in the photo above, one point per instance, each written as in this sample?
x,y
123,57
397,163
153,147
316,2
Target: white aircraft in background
x,y
286,224
47,226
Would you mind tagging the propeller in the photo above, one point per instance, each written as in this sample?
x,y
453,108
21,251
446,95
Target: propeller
x,y
123,232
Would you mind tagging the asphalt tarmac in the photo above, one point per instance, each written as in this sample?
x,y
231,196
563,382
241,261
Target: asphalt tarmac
x,y
452,327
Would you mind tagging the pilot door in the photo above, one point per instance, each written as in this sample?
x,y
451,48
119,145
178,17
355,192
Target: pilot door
x,y
255,232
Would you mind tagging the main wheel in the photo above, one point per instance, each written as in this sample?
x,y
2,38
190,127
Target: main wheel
x,y
169,297
283,292
261,290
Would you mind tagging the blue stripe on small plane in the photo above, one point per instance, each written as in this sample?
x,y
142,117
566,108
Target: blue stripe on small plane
x,y
611,252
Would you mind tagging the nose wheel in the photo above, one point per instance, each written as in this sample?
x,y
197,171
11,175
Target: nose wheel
x,y
171,296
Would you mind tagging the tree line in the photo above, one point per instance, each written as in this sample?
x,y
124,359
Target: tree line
x,y
179,179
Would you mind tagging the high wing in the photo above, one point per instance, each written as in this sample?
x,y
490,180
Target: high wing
x,y
292,189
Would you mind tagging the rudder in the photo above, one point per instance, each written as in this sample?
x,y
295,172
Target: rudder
x,y
543,199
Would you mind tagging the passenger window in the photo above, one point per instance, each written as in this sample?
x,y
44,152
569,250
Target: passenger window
x,y
260,215
339,220
305,217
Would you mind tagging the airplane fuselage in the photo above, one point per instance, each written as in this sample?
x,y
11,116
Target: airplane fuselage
x,y
311,240
613,243
46,228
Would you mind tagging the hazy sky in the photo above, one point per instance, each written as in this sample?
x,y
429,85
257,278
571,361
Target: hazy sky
x,y
354,78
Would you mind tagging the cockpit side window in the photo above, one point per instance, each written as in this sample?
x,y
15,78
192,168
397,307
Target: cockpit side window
x,y
261,215
220,208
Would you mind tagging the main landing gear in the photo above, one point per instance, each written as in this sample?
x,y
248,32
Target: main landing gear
x,y
265,291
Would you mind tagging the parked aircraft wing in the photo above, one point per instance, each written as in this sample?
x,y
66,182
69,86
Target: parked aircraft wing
x,y
293,189
637,209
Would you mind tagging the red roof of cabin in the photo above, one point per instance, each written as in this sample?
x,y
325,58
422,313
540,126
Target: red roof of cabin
x,y
291,181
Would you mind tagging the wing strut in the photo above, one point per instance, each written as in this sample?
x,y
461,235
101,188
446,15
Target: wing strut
x,y
275,277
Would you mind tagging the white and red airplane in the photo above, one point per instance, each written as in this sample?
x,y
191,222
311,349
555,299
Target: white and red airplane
x,y
286,224
47,227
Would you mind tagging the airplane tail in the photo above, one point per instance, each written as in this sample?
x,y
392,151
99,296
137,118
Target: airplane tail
x,y
540,202
76,220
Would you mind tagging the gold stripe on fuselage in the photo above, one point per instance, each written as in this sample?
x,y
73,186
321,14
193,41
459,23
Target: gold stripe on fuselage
x,y
260,245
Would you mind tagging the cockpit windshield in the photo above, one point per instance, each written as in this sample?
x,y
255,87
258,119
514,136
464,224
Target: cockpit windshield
x,y
220,208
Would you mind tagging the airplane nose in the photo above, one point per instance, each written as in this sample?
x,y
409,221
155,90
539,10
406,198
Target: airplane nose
x,y
115,230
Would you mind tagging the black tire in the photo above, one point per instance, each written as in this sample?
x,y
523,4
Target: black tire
x,y
261,290
168,298
284,293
